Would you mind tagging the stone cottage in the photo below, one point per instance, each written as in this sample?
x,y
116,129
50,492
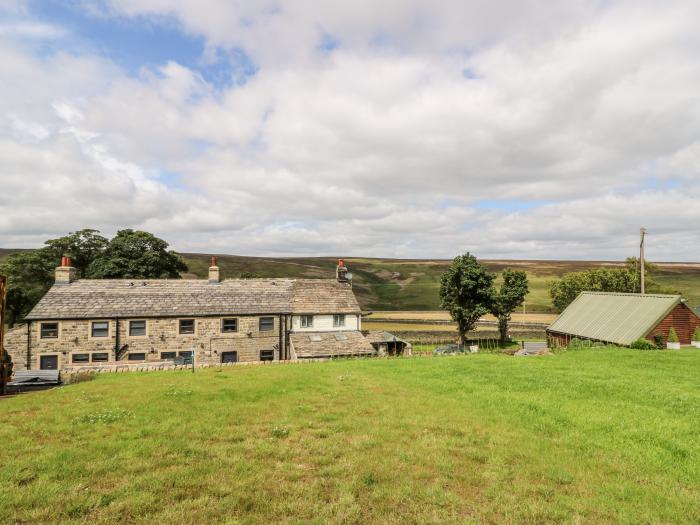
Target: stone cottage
x,y
110,322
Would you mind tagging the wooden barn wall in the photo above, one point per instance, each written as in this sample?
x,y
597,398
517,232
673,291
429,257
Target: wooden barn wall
x,y
682,319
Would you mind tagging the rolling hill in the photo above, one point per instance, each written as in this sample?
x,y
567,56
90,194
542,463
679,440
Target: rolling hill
x,y
412,284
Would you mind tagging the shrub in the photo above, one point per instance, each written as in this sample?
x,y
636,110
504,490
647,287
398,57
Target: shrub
x,y
659,340
672,336
696,334
643,344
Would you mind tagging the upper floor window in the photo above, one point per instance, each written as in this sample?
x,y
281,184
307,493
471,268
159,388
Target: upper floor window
x,y
49,330
267,324
137,327
339,320
100,329
186,326
307,321
229,325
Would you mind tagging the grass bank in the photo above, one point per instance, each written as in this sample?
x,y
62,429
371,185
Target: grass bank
x,y
585,436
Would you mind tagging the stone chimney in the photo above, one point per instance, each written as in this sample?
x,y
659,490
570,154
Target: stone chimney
x,y
341,272
65,274
214,272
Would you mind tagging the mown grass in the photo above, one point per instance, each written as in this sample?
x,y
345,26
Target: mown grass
x,y
591,436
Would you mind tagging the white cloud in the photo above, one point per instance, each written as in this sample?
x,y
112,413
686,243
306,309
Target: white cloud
x,y
380,147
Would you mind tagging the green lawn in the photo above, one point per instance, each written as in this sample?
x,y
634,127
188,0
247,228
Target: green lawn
x,y
588,436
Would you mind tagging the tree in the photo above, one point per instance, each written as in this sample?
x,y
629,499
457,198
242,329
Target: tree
x,y
83,247
466,289
505,300
138,255
29,276
623,280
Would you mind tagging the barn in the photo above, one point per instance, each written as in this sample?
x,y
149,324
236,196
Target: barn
x,y
622,318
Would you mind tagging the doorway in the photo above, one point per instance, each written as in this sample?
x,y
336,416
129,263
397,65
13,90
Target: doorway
x,y
48,362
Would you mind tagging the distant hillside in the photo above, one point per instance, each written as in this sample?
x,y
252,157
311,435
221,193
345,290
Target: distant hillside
x,y
412,284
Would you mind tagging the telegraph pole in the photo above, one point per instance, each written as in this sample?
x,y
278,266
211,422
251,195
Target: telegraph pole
x,y
642,233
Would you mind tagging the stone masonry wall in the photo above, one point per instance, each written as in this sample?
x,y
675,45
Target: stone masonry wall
x,y
162,335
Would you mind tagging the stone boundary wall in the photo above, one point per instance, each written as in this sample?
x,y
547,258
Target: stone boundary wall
x,y
69,375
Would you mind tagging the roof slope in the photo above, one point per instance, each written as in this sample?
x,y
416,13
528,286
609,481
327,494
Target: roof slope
x,y
323,296
614,317
330,344
109,298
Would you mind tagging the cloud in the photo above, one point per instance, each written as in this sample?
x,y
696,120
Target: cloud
x,y
378,145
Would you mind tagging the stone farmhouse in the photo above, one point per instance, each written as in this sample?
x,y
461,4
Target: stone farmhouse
x,y
111,322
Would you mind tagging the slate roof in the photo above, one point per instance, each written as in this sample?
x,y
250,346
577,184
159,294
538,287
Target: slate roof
x,y
379,336
109,298
330,344
619,318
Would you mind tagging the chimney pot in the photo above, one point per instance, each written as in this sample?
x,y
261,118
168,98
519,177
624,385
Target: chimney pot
x,y
65,274
341,272
214,271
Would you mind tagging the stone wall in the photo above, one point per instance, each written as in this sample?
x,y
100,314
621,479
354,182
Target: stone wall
x,y
162,336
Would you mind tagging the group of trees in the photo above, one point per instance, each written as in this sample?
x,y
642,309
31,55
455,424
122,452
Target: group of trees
x,y
129,254
468,291
624,280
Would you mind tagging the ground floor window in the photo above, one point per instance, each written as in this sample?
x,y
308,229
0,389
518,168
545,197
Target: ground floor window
x,y
80,358
137,357
267,355
186,353
48,362
229,357
100,357
168,355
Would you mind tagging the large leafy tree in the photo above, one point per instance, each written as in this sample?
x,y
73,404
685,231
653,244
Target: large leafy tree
x,y
625,280
130,254
82,247
466,289
507,298
139,255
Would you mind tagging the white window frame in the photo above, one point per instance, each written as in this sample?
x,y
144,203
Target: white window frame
x,y
306,321
338,320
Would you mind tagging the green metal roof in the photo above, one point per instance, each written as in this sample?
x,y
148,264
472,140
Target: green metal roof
x,y
619,318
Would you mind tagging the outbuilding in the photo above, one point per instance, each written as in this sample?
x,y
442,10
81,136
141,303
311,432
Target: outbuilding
x,y
622,318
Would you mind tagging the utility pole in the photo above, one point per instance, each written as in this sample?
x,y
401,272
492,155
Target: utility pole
x,y
642,233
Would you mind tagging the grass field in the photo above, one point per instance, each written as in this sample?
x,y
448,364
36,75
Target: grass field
x,y
590,436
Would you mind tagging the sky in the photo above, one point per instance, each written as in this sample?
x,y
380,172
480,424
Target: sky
x,y
524,129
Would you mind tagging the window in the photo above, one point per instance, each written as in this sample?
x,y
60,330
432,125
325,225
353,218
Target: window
x,y
137,357
229,325
48,362
186,326
49,330
267,324
339,320
187,353
267,355
137,327
80,358
168,355
100,357
307,321
100,329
